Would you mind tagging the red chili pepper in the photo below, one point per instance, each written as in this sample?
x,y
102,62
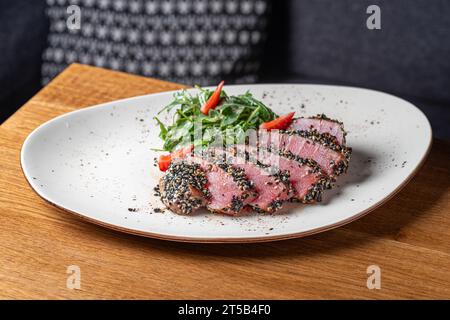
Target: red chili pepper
x,y
213,101
280,123
165,160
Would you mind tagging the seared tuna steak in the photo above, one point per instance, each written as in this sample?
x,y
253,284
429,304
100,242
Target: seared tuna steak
x,y
229,189
271,188
323,125
306,177
331,157
183,188
297,164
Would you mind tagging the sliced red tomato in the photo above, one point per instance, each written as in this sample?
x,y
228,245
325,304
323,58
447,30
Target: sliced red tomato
x,y
165,160
213,101
280,123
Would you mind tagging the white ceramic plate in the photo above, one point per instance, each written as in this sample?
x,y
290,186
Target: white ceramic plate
x,y
98,163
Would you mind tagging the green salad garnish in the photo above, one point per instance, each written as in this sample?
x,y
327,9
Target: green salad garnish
x,y
229,121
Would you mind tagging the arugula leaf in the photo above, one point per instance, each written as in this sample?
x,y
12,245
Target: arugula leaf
x,y
228,122
162,128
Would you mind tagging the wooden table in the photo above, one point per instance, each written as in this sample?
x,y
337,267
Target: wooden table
x,y
408,237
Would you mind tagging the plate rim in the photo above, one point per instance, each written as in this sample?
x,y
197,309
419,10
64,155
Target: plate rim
x,y
257,239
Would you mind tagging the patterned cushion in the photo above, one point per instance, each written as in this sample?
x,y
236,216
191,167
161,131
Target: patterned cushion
x,y
186,41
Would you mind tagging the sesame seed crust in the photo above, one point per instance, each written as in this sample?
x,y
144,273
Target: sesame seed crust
x,y
183,187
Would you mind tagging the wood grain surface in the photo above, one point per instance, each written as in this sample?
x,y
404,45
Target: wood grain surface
x,y
408,237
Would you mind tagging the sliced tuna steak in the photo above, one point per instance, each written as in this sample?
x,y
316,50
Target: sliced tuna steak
x,y
271,189
306,177
331,157
323,125
229,189
183,188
